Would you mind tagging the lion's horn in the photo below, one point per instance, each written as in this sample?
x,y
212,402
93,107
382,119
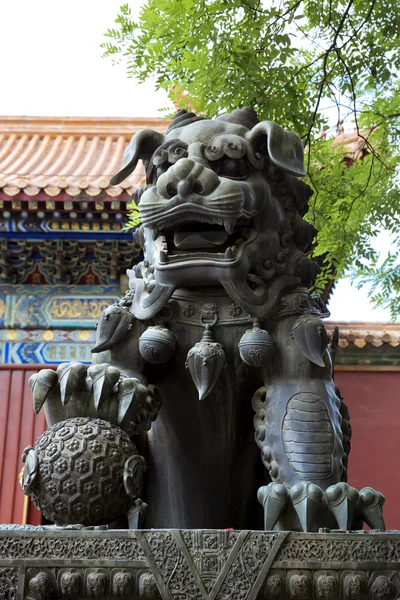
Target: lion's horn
x,y
285,148
142,146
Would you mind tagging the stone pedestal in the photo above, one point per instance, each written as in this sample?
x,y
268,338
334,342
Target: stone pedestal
x,y
48,564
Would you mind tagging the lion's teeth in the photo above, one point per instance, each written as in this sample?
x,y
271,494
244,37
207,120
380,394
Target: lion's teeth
x,y
163,248
230,252
229,224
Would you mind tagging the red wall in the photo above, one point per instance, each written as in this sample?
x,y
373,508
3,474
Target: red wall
x,y
18,428
373,399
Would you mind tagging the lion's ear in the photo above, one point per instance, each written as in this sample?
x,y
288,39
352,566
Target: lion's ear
x,y
142,146
285,148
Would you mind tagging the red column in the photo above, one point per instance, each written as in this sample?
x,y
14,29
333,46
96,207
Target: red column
x,y
19,427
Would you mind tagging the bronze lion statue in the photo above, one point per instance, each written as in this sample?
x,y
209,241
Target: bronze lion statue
x,y
219,320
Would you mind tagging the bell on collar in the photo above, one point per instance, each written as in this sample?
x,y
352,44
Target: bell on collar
x,y
157,344
256,346
205,362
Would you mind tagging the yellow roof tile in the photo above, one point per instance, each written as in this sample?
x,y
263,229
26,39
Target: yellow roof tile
x,y
70,154
361,334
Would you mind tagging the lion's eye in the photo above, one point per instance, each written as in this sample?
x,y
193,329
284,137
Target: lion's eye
x,y
162,170
233,168
176,152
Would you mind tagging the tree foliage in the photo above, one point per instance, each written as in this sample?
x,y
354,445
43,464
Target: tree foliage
x,y
309,65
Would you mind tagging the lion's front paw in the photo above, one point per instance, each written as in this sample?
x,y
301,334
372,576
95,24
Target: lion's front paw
x,y
315,508
101,391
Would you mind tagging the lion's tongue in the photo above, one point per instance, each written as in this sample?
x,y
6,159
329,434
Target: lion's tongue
x,y
192,240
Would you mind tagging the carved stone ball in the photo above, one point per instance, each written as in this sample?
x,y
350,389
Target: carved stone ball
x,y
80,470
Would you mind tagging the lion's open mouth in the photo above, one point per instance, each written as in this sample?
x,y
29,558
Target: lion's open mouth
x,y
196,240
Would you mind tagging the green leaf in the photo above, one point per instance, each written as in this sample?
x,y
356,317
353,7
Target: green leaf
x,y
290,60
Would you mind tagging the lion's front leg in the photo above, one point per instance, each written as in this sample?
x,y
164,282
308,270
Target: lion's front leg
x,y
85,469
302,429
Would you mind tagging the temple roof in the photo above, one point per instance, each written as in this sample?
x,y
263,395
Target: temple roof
x,y
361,334
354,143
73,155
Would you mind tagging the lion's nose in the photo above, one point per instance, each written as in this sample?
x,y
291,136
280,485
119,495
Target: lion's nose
x,y
187,177
185,188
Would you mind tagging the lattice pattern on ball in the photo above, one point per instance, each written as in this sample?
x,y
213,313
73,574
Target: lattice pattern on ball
x,y
80,472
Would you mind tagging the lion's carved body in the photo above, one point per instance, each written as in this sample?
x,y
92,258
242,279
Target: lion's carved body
x,y
222,226
219,318
204,468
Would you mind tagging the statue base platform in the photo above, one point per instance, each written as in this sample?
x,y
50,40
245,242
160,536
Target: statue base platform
x,y
38,563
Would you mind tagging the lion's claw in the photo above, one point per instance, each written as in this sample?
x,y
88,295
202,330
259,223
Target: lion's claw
x,y
42,384
370,505
72,378
305,505
103,379
101,391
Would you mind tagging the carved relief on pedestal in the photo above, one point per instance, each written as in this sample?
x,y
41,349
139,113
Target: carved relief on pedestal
x,y
198,564
9,582
384,585
148,588
300,587
274,587
122,583
70,584
75,583
97,583
354,585
326,585
41,586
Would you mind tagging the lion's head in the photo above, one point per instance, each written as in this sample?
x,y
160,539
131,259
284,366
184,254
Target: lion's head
x,y
222,205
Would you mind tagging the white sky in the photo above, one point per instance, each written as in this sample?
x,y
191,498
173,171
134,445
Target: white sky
x,y
50,62
51,65
350,304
